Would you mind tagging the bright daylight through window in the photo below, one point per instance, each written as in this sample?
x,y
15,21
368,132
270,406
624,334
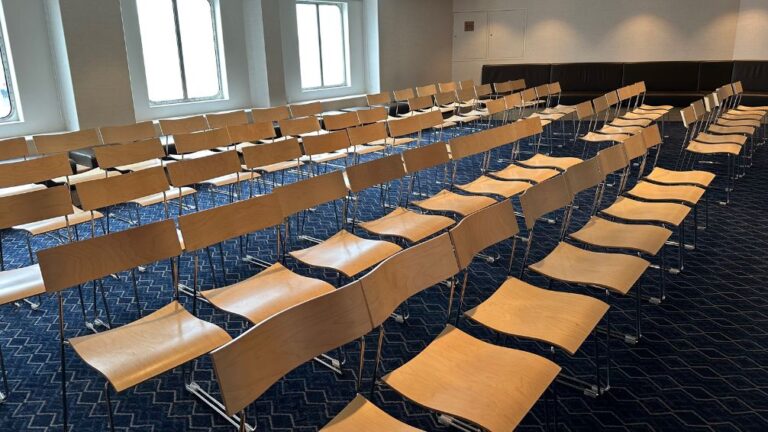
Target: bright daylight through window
x,y
181,51
8,109
322,44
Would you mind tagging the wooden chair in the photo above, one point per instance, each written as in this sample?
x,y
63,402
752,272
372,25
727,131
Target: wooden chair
x,y
376,114
555,90
610,272
14,148
217,170
585,112
167,338
306,109
652,138
69,142
501,89
129,133
183,125
400,223
379,100
343,252
227,119
449,100
440,377
323,149
301,127
447,87
200,144
562,320
250,134
419,105
272,158
466,84
341,121
20,284
272,115
434,121
641,100
532,128
248,366
369,138
427,90
402,129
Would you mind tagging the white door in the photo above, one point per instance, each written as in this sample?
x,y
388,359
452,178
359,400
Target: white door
x,y
470,35
506,34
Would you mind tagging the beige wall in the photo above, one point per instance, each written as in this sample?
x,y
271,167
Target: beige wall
x,y
752,31
616,30
414,42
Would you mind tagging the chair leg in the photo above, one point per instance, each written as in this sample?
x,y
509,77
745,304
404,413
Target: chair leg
x,y
7,390
109,407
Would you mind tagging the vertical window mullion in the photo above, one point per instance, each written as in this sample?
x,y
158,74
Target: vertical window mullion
x,y
320,46
180,49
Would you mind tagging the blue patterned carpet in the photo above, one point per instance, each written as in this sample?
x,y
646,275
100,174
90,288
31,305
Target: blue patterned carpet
x,y
702,365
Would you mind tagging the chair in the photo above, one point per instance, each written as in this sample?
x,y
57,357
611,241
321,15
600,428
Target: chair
x,y
530,128
427,90
448,87
199,144
341,121
652,139
441,378
379,100
272,115
584,111
166,338
14,148
609,272
128,133
306,109
519,309
271,158
399,222
67,143
249,135
227,119
322,149
556,90
641,100
369,138
419,105
216,170
301,127
183,125
376,114
343,252
401,128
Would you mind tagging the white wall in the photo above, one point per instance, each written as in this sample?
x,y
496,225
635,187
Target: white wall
x,y
752,31
564,31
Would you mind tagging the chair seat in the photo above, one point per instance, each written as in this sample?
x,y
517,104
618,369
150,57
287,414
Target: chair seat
x,y
613,271
273,290
314,133
393,141
133,353
667,213
465,377
550,117
485,185
279,166
674,193
407,224
657,107
366,149
564,109
650,115
543,161
704,148
172,193
361,415
18,284
195,155
517,172
648,239
763,108
620,130
138,166
462,119
479,113
45,226
21,189
706,138
523,310
743,115
347,253
640,122
324,157
727,130
93,174
744,122
663,112
232,178
447,201
598,137
665,176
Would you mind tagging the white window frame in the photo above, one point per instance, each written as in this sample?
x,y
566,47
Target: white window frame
x,y
10,75
342,6
355,53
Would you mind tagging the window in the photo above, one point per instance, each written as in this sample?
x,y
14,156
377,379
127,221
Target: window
x,y
322,44
8,110
181,50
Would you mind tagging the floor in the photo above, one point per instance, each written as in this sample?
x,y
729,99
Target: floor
x,y
702,363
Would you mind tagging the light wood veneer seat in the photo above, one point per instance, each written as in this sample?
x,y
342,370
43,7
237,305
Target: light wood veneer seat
x,y
360,415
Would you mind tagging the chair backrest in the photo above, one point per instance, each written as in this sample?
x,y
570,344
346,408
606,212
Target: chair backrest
x,y
467,145
128,133
404,126
326,143
502,87
430,119
515,85
262,155
699,108
652,136
483,90
721,93
226,119
544,198
584,110
611,98
467,84
641,86
340,121
446,98
273,114
495,106
312,192
634,147
600,104
197,141
624,93
483,229
65,142
378,99
306,109
466,94
583,176
372,115
447,86
554,88
298,126
193,171
35,206
420,103
367,134
728,91
215,225
183,125
406,274
542,91
688,115
612,159
404,94
378,171
427,90
14,148
77,263
251,132
513,100
528,94
34,170
529,127
101,193
115,155
738,88
250,364
426,157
